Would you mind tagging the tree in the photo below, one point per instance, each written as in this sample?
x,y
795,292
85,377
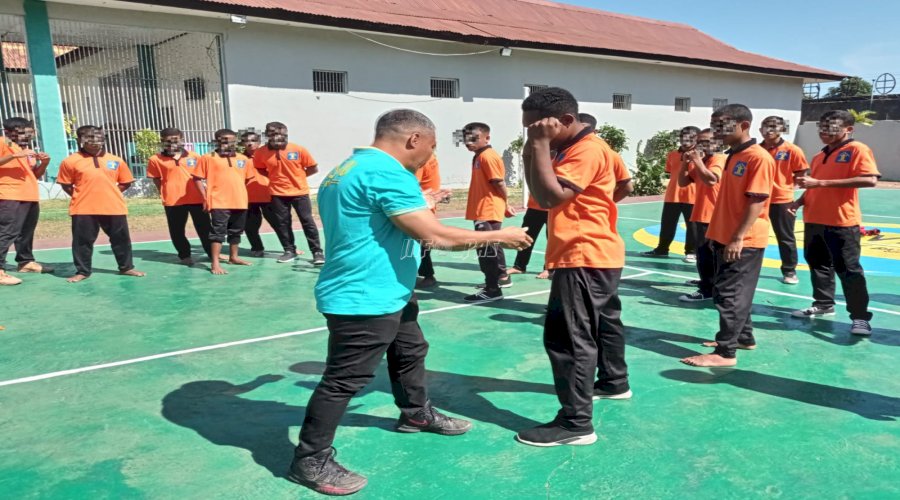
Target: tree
x,y
852,86
863,117
649,179
614,136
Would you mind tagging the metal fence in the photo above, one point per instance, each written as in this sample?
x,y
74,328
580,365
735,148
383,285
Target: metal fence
x,y
16,98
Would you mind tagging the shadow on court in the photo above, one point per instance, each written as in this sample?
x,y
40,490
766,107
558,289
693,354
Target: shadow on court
x,y
865,404
215,410
456,393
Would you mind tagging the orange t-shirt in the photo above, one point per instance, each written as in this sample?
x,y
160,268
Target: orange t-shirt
x,y
582,231
176,178
789,160
429,177
226,180
17,180
621,171
748,171
533,204
674,192
286,168
95,180
838,206
705,202
484,203
258,187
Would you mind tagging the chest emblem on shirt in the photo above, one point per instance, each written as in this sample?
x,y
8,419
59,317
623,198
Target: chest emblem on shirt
x,y
782,155
477,164
843,157
191,162
112,164
739,169
293,156
241,163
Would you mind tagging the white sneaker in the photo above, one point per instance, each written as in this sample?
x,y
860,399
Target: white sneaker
x,y
790,279
598,395
861,327
690,258
813,311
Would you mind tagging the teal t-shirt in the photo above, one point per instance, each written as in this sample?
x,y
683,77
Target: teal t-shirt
x,y
372,264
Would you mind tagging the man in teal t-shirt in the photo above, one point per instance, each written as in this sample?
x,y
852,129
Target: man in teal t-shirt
x,y
373,212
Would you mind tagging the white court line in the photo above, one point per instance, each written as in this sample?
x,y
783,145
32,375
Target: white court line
x,y
638,218
865,215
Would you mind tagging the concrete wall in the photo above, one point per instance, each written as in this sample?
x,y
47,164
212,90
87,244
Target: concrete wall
x,y
883,137
269,77
886,107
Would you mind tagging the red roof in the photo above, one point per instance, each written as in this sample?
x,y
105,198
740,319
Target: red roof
x,y
518,23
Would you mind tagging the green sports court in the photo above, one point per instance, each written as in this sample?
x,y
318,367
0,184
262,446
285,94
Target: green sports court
x,y
182,385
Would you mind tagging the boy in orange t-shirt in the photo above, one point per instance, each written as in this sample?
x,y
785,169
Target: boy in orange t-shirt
x,y
678,202
20,168
583,331
832,216
171,171
95,181
258,196
738,232
429,177
226,174
487,208
790,162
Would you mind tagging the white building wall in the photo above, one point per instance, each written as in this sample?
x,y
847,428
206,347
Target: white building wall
x,y
269,77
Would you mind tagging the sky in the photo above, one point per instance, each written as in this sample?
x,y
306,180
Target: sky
x,y
857,38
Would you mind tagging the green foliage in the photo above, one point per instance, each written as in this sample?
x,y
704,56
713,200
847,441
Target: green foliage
x,y
852,86
70,125
649,179
146,144
863,117
614,136
517,145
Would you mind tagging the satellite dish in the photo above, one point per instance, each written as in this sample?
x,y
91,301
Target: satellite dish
x,y
885,83
812,90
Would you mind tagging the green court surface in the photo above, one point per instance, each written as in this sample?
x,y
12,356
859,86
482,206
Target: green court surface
x,y
185,385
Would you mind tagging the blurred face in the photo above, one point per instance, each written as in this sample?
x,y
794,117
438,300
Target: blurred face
x,y
727,130
688,139
706,144
277,137
172,145
93,142
226,144
250,143
833,130
771,129
476,139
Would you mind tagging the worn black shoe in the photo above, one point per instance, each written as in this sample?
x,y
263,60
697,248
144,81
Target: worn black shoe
x,y
504,282
426,282
287,258
318,259
655,253
320,472
484,296
431,420
553,434
813,311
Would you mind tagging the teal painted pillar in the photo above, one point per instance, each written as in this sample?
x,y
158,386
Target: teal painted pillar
x,y
48,110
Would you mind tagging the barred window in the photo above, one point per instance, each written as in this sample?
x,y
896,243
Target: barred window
x,y
330,81
621,101
718,103
683,104
532,88
445,88
195,89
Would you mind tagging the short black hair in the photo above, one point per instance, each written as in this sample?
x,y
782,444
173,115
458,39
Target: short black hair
x,y
477,126
777,119
551,102
839,114
87,129
276,125
706,131
690,128
738,112
16,122
589,119
223,132
243,134
170,131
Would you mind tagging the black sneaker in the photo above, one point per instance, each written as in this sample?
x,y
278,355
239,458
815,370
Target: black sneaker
x,y
287,258
553,434
484,296
655,253
320,472
318,259
431,420
257,253
505,282
694,297
426,282
598,395
811,312
692,282
861,327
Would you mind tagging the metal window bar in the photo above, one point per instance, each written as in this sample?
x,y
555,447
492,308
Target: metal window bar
x,y
622,101
16,92
127,79
532,88
718,103
683,104
444,88
330,81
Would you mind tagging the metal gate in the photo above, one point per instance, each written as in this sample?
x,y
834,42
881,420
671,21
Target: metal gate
x,y
128,79
16,96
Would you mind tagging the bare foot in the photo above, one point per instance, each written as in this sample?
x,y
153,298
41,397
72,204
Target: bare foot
x,y
187,261
299,252
77,278
236,261
544,275
217,269
745,347
514,270
133,272
709,360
